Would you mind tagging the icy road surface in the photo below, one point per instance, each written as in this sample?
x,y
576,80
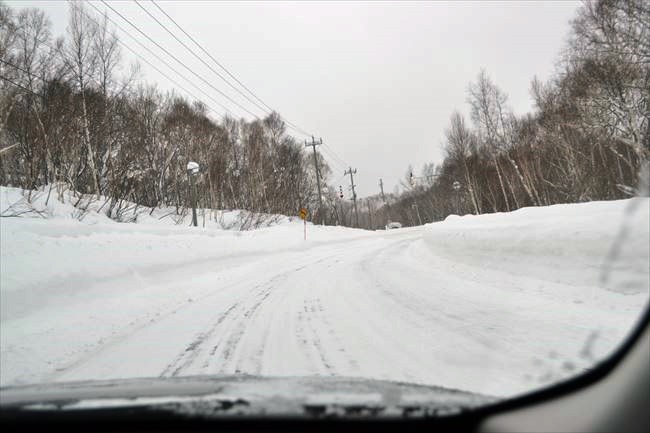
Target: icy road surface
x,y
497,304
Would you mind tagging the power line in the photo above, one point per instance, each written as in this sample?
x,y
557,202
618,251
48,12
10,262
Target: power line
x,y
334,161
335,158
31,75
292,125
197,56
162,61
178,61
43,80
6,149
334,164
20,86
153,66
313,144
339,179
209,55
19,68
332,152
333,155
57,49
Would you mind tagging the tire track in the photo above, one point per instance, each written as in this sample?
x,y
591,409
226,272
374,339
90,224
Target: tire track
x,y
231,345
312,313
131,329
412,301
225,339
315,339
186,357
191,352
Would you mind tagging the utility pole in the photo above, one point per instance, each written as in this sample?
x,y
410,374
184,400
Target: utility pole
x,y
383,197
354,194
341,214
313,144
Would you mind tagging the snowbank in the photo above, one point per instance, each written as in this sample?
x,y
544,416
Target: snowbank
x,y
54,202
598,244
497,304
51,253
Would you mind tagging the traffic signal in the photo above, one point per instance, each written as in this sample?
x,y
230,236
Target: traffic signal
x,y
340,191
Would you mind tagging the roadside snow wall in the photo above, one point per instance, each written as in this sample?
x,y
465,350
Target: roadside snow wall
x,y
598,244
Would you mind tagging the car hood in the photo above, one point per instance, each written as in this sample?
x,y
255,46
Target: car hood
x,y
247,395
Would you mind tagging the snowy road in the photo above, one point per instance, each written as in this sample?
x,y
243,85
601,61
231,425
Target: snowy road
x,y
386,305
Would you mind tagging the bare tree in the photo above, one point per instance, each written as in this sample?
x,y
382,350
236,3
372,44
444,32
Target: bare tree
x,y
82,59
486,102
461,145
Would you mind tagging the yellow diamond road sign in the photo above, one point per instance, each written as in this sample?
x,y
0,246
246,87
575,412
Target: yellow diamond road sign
x,y
303,213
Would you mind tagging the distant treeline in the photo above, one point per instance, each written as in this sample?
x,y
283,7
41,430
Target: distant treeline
x,y
72,114
586,139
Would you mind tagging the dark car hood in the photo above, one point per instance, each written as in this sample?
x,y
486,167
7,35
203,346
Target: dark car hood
x,y
246,395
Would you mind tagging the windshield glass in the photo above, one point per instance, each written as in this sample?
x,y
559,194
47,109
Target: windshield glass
x,y
439,203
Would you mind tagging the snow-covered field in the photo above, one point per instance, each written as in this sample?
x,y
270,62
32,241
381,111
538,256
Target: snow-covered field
x,y
496,304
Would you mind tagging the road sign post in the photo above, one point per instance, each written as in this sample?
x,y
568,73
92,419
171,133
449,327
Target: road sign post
x,y
303,215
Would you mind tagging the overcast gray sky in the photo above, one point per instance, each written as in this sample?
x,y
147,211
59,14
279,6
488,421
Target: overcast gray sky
x,y
376,80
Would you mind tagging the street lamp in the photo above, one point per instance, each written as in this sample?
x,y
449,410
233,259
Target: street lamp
x,y
192,167
417,211
192,171
456,186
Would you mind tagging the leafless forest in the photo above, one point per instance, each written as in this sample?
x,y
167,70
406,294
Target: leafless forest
x,y
73,114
